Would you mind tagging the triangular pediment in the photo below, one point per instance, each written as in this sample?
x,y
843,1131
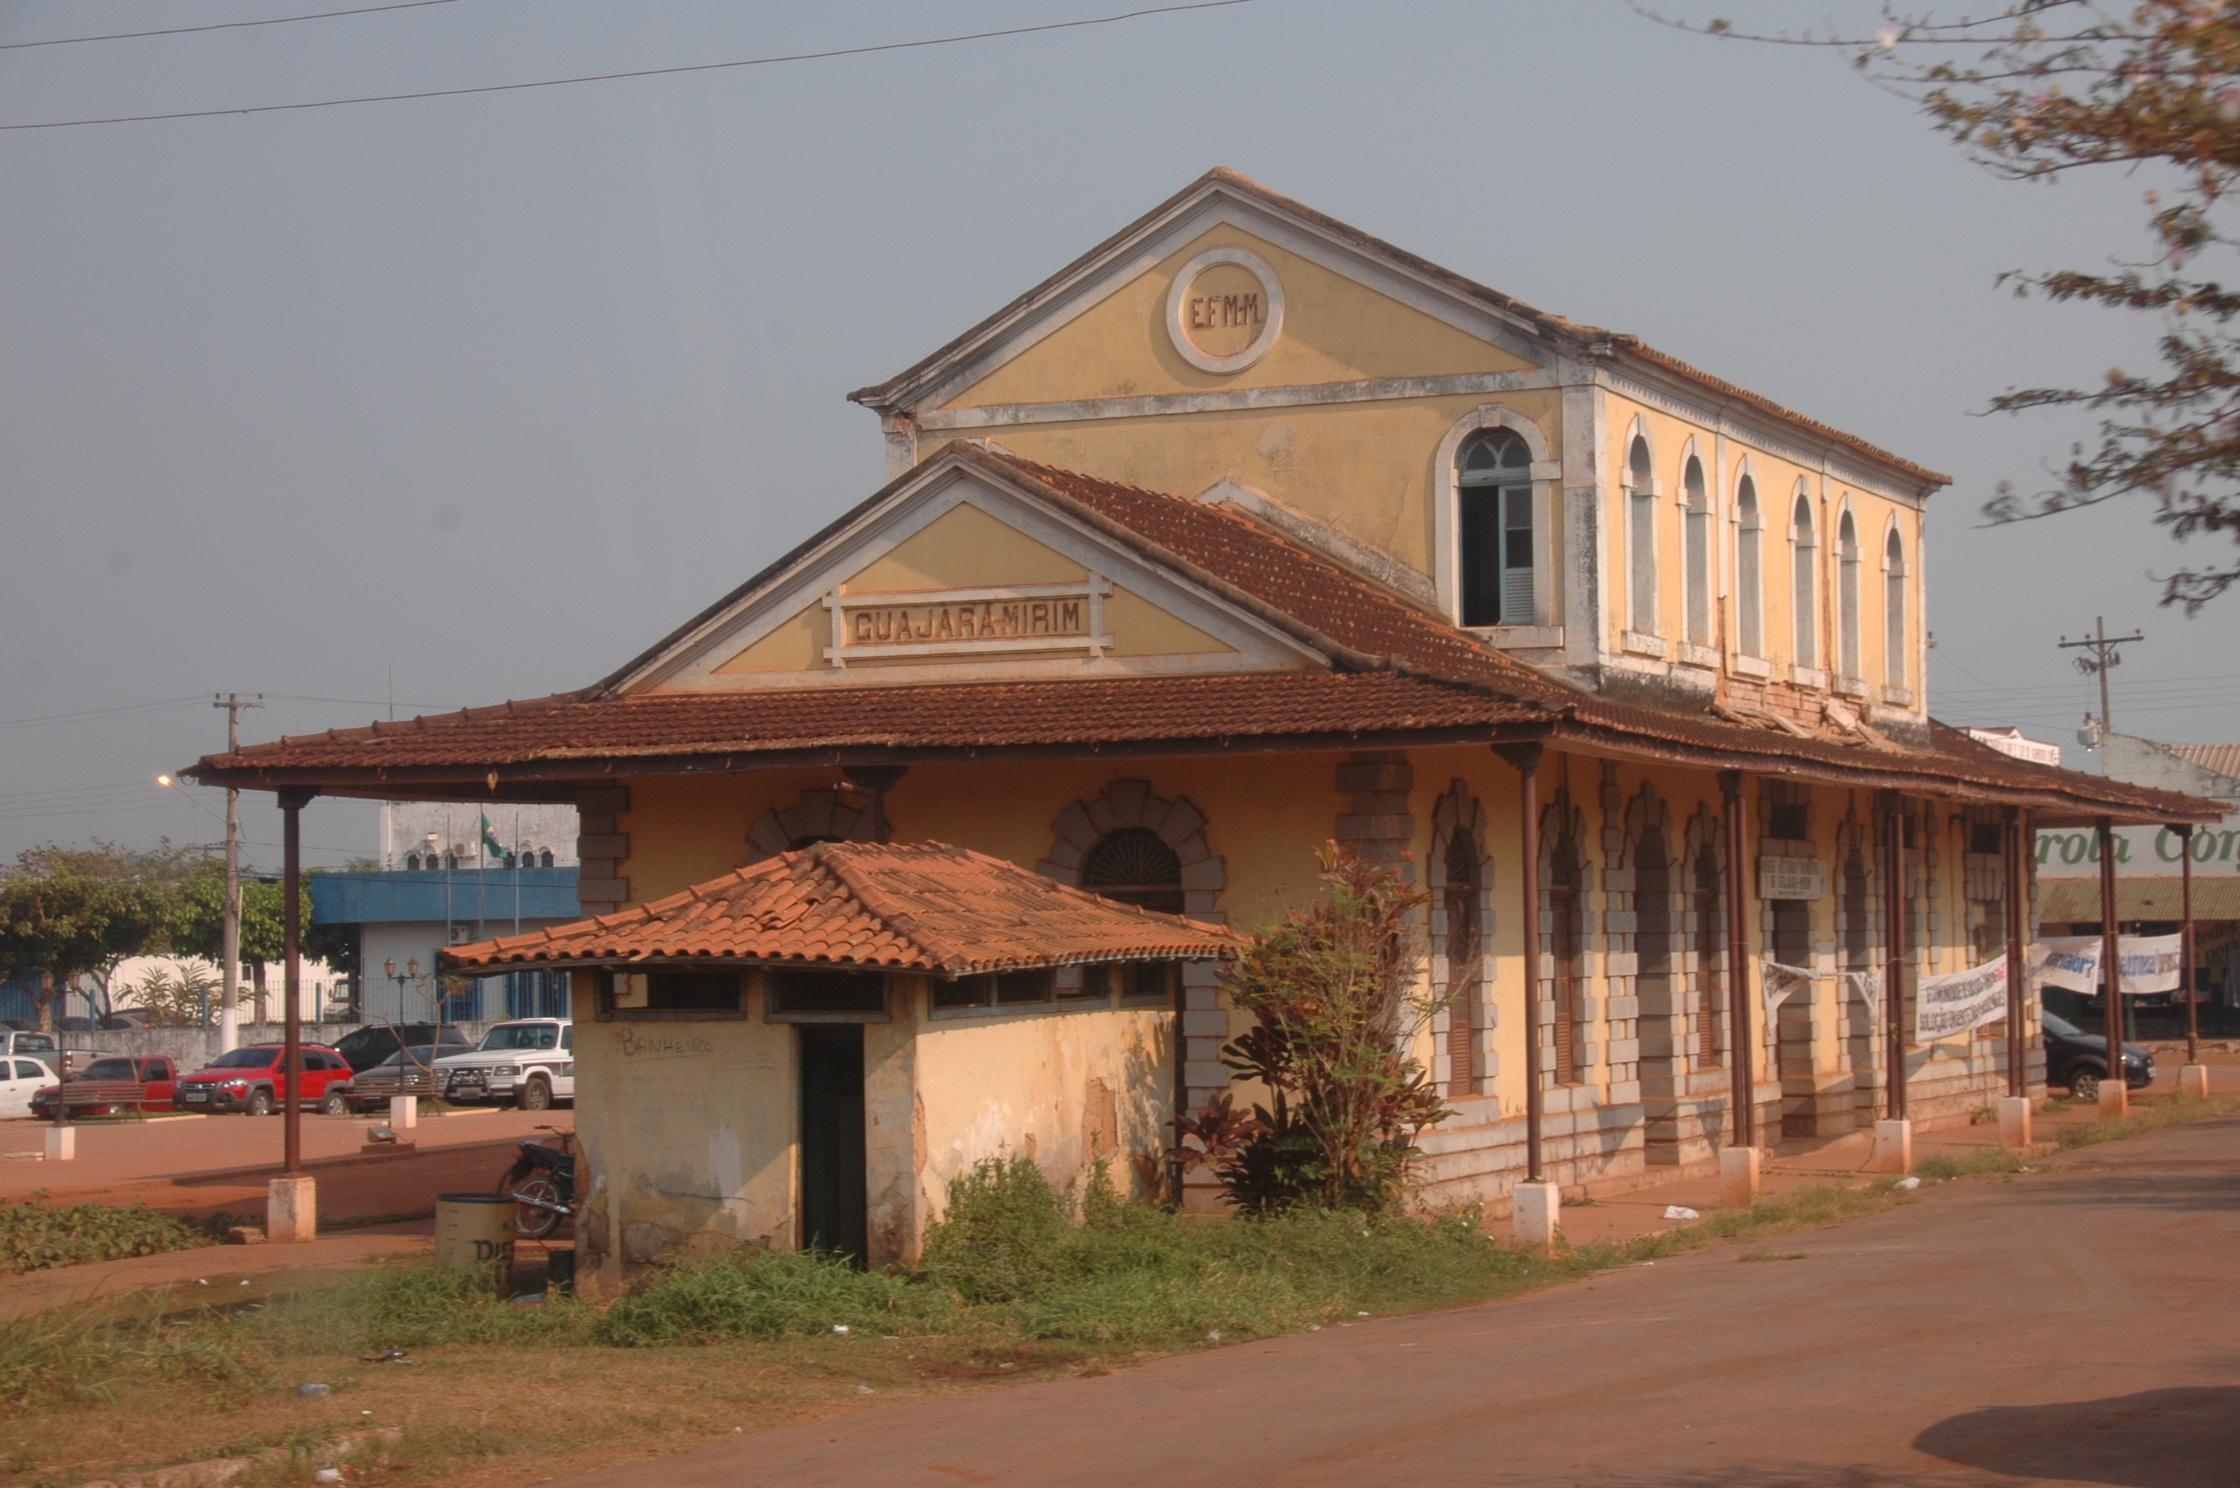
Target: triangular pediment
x,y
955,573
1125,319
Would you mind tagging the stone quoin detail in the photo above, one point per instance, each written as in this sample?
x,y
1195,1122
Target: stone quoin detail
x,y
1130,804
815,816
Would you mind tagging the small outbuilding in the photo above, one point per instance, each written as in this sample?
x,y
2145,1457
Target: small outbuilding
x,y
805,1051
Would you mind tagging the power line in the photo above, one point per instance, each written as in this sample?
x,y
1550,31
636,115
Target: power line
x,y
120,708
642,72
324,15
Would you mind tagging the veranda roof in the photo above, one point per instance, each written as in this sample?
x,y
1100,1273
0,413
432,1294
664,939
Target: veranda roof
x,y
920,906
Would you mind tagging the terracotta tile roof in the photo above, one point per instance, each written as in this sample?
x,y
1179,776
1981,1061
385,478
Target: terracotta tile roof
x,y
920,906
1401,672
1330,606
2222,758
904,387
587,729
2067,901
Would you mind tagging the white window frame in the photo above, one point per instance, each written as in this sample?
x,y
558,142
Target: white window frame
x,y
1545,473
1697,581
1804,584
1749,577
1850,656
1641,574
1897,620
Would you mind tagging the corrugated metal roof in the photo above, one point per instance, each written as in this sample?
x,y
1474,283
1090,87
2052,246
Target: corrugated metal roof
x,y
2222,758
2069,901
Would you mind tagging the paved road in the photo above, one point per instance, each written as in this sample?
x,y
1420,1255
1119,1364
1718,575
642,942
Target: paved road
x,y
1947,1343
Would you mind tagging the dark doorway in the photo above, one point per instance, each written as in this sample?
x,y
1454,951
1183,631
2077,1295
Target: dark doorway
x,y
832,1179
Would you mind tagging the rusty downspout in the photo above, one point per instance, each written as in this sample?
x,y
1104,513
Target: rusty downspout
x,y
1742,1039
1526,759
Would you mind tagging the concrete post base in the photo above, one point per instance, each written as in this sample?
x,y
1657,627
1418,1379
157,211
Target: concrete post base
x,y
2193,1079
1893,1147
2014,1120
1539,1214
62,1144
2115,1098
1739,1173
291,1210
404,1112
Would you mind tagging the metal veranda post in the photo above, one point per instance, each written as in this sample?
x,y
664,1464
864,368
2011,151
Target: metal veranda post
x,y
291,930
1894,966
2017,973
2185,942
2111,967
1742,1035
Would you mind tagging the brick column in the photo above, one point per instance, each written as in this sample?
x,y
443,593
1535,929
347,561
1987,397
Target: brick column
x,y
602,847
1376,824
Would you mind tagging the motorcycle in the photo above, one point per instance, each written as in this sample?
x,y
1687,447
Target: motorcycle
x,y
542,1185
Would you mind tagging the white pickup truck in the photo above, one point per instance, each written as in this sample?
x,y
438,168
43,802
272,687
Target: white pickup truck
x,y
529,1062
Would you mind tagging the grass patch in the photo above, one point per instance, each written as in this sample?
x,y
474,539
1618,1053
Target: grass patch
x,y
1983,1162
2177,1111
37,1237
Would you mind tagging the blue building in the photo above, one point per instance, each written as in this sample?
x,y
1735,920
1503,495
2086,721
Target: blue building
x,y
405,917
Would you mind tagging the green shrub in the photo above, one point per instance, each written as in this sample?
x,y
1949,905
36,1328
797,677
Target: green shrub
x,y
764,1294
36,1236
1000,1232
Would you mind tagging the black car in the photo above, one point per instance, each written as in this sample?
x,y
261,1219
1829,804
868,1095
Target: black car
x,y
2079,1060
374,1043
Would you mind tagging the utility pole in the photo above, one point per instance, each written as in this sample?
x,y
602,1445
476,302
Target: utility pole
x,y
229,954
2104,655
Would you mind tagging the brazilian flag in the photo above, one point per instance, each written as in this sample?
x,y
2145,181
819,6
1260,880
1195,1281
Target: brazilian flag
x,y
490,843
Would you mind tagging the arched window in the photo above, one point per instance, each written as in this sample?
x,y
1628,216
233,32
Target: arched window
x,y
1567,956
1641,540
1697,552
544,859
412,862
1803,554
1749,599
1493,483
1847,598
1135,866
1460,901
1710,932
1894,645
1653,930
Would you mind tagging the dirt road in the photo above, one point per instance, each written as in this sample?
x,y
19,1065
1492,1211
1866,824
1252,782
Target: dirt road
x,y
2069,1326
200,1165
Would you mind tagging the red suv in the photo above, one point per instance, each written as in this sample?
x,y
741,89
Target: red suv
x,y
249,1080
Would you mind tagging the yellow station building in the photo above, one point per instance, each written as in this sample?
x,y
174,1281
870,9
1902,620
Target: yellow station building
x,y
1244,532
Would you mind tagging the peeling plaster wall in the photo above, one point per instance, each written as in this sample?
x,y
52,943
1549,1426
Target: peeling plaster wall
x,y
1062,1088
687,1131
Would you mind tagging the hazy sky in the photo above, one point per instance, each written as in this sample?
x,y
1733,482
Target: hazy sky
x,y
487,393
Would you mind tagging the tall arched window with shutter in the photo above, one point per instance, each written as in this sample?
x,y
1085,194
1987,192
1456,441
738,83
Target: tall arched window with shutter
x,y
1696,550
1894,642
1641,540
1493,481
1847,599
1749,597
1805,601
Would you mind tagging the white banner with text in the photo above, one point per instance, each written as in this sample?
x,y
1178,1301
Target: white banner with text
x,y
2149,963
1960,1001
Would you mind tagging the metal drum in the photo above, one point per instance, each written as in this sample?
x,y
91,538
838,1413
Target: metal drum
x,y
474,1232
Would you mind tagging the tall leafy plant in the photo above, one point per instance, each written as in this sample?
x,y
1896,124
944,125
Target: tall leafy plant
x,y
1333,994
